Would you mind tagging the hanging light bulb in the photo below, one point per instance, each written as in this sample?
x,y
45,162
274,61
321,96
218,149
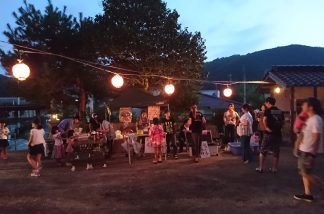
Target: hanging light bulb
x,y
228,92
169,89
277,90
117,81
20,71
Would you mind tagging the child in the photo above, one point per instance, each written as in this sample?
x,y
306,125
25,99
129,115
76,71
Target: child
x,y
58,151
299,124
36,147
4,132
156,137
69,149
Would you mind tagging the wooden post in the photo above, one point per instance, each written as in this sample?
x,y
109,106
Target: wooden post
x,y
315,91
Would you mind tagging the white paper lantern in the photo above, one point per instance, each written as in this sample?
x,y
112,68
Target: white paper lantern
x,y
169,89
117,81
277,90
228,92
20,71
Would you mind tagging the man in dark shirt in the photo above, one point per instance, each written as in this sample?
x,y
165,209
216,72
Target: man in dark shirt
x,y
198,121
169,128
273,121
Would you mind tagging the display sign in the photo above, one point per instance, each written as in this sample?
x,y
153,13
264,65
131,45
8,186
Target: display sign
x,y
153,111
204,152
125,115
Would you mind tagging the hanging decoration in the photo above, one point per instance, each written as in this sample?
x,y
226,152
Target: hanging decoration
x,y
169,89
117,81
228,92
20,71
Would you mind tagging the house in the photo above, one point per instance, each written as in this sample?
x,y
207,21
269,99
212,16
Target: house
x,y
209,104
291,85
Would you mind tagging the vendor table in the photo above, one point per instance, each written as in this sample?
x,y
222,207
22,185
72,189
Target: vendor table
x,y
91,143
128,144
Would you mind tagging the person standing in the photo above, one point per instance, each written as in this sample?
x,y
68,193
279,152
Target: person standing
x,y
106,129
142,127
246,131
198,121
185,134
309,146
231,119
36,147
273,121
169,128
156,135
4,132
261,126
94,124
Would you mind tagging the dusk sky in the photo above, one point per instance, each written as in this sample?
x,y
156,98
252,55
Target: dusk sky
x,y
228,26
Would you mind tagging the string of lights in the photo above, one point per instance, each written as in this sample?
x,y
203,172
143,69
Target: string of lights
x,y
21,71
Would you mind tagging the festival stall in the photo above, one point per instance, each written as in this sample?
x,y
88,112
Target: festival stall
x,y
127,137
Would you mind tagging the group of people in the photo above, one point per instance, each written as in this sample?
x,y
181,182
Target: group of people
x,y
165,130
308,128
269,121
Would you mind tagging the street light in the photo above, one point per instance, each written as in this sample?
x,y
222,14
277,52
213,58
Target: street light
x,y
117,81
20,71
169,89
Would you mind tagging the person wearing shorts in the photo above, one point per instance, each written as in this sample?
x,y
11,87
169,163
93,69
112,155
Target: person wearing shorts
x,y
36,147
308,148
4,132
273,120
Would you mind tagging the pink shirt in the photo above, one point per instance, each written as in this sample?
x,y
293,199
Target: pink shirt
x,y
156,134
300,120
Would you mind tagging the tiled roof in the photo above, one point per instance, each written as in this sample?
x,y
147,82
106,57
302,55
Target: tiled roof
x,y
299,75
215,102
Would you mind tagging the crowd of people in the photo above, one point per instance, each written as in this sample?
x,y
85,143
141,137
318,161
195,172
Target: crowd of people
x,y
266,124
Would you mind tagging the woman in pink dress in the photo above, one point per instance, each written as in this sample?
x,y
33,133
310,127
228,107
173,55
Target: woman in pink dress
x,y
156,139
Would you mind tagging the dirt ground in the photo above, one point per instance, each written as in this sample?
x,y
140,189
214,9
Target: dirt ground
x,y
215,185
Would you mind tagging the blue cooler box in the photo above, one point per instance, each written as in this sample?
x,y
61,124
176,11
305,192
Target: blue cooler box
x,y
235,148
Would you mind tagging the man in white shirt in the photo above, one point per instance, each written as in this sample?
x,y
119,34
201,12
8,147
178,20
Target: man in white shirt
x,y
309,147
231,119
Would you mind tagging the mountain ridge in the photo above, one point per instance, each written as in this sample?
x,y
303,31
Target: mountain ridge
x,y
257,63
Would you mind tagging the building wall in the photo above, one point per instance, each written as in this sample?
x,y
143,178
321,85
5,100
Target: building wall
x,y
320,94
283,99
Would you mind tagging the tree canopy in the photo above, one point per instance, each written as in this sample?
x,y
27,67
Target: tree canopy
x,y
143,36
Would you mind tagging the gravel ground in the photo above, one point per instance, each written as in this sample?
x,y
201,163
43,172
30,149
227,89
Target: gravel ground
x,y
215,185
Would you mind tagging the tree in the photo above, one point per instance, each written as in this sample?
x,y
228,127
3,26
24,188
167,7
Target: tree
x,y
142,36
145,36
54,77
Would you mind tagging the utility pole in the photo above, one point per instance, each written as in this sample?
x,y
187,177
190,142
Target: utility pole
x,y
244,84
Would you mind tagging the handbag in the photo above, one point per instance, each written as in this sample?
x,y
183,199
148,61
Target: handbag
x,y
239,130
